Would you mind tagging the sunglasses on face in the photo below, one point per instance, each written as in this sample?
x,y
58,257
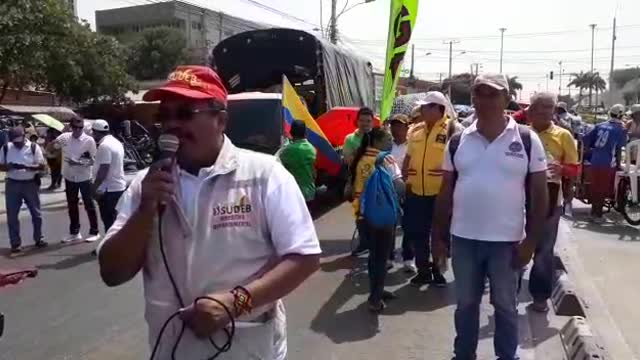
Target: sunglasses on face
x,y
182,113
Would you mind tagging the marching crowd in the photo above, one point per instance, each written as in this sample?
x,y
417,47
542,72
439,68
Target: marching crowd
x,y
223,234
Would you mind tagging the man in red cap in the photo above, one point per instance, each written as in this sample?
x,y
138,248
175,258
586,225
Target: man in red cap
x,y
235,229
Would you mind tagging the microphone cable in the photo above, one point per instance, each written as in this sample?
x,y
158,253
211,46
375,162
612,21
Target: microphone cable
x,y
229,332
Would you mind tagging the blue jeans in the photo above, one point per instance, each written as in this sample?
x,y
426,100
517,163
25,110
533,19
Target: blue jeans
x,y
541,276
416,224
472,262
15,193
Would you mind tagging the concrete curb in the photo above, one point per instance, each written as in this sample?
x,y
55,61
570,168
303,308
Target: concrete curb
x,y
578,340
601,326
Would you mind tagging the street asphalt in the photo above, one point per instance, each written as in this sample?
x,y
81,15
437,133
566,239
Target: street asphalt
x,y
67,313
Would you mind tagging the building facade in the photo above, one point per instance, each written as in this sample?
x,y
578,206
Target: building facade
x,y
203,28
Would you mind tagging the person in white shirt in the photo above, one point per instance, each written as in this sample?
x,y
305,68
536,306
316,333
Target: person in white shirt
x,y
399,128
109,182
494,178
22,160
78,153
235,229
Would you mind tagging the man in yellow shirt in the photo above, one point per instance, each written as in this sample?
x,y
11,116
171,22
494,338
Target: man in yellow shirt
x,y
422,171
562,160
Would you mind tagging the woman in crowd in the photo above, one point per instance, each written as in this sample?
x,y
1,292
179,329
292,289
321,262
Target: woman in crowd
x,y
380,240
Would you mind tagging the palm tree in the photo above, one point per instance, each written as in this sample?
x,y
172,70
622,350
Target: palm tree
x,y
595,82
514,86
579,81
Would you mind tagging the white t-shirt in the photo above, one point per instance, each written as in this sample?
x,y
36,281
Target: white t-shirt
x,y
228,225
77,149
399,152
489,196
23,156
111,152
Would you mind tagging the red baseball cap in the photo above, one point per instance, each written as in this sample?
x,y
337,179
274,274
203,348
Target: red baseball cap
x,y
191,81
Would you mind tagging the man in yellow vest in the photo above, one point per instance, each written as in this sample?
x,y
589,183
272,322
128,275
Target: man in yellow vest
x,y
423,173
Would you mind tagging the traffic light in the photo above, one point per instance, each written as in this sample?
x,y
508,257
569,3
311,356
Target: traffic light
x,y
551,75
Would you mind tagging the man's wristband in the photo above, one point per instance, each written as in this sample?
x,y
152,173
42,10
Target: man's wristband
x,y
242,300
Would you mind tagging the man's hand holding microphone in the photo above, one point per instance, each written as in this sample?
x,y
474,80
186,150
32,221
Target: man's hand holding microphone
x,y
158,187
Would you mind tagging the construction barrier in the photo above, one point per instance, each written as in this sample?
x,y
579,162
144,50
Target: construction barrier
x,y
579,342
564,298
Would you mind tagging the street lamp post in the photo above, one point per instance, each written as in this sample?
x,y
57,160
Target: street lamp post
x,y
502,30
333,22
593,42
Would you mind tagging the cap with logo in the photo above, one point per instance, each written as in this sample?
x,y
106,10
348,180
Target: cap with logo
x,y
191,81
617,109
100,125
496,81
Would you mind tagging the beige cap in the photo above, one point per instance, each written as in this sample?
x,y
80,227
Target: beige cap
x,y
562,105
434,97
617,109
496,81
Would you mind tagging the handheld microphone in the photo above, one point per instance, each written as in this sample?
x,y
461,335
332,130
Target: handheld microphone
x,y
168,144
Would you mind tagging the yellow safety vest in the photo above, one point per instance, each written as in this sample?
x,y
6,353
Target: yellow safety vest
x,y
426,149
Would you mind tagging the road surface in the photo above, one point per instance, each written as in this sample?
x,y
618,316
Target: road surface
x,y
67,313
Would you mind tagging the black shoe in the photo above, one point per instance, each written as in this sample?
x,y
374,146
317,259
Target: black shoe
x,y
16,249
359,251
41,244
423,278
438,279
377,306
388,295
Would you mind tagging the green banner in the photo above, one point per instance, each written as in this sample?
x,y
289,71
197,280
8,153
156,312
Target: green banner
x,y
402,19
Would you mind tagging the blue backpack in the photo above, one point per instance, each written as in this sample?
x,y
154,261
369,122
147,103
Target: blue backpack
x,y
379,200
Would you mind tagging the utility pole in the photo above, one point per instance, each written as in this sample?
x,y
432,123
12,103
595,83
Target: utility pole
x,y
451,42
593,43
413,60
502,30
560,79
613,55
474,68
333,26
321,21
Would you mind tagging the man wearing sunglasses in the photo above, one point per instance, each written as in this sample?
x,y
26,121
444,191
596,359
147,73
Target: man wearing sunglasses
x,y
78,153
235,228
422,169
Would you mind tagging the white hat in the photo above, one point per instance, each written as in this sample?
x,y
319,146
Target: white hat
x,y
100,125
433,97
496,81
635,109
617,109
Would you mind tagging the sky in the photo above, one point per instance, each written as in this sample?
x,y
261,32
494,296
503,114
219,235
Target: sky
x,y
539,33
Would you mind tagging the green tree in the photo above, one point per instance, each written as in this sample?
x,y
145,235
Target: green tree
x,y
88,67
156,52
514,86
622,76
579,81
29,31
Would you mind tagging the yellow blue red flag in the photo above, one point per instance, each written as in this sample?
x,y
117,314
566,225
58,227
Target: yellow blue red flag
x,y
294,109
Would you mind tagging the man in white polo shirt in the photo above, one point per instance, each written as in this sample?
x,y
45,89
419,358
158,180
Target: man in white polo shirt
x,y
235,228
492,172
108,181
78,153
22,160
